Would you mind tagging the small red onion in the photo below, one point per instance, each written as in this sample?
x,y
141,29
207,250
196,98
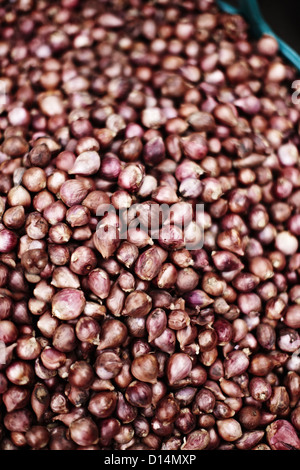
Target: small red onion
x,y
113,334
68,304
166,341
20,372
73,192
19,420
8,240
281,435
84,432
87,163
236,363
196,440
229,429
145,368
179,367
87,330
286,243
156,323
139,394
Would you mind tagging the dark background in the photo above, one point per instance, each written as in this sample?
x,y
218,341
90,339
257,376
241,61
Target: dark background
x,y
283,17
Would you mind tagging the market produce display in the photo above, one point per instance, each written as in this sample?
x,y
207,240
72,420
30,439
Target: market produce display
x,y
149,229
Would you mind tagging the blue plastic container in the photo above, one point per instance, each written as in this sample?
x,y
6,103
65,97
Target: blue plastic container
x,y
250,10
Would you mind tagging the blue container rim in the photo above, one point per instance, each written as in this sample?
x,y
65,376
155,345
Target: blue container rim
x,y
250,10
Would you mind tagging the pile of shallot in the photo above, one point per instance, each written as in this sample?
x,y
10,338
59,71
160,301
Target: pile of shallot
x,y
125,325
